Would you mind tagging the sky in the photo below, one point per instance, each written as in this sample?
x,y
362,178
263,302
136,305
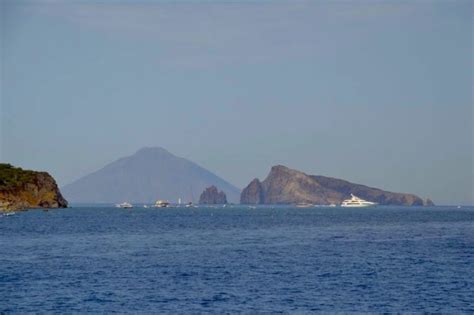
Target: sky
x,y
375,92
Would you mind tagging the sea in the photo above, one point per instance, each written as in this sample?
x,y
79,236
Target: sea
x,y
238,259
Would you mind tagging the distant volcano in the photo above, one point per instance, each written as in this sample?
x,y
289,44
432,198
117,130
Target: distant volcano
x,y
148,175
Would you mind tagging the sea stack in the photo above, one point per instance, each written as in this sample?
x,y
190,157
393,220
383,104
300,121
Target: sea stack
x,y
211,196
24,189
428,202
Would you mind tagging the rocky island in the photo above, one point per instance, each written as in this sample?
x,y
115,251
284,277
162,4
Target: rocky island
x,y
24,189
287,186
211,196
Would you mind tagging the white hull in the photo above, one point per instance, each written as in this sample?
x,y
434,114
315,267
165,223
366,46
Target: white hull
x,y
161,204
124,205
359,206
304,205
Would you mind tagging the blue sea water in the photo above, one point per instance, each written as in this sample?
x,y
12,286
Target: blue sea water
x,y
236,259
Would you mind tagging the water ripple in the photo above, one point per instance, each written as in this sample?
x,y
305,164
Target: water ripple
x,y
270,260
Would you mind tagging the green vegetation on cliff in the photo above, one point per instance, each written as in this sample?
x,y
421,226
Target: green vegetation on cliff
x,y
12,178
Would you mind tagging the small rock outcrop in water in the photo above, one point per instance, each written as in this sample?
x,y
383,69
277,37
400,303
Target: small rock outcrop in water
x,y
211,196
286,186
428,202
22,189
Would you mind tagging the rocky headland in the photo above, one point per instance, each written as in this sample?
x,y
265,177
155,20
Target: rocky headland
x,y
287,186
211,196
24,189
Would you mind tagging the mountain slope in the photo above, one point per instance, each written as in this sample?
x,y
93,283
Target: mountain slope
x,y
287,186
148,175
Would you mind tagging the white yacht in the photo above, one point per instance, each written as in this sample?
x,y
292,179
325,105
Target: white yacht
x,y
357,202
124,205
161,204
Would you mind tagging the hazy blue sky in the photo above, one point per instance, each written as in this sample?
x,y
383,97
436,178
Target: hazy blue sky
x,y
378,93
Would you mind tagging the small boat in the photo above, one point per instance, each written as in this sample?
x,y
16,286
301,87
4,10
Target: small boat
x,y
332,205
304,205
124,205
7,214
190,205
161,204
356,202
145,206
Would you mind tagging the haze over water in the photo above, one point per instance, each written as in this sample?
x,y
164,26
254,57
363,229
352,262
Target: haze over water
x,y
386,259
378,93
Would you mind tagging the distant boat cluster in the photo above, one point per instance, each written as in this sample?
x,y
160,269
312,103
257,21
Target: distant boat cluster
x,y
353,202
158,204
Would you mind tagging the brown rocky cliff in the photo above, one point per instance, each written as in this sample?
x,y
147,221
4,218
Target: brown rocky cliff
x,y
21,189
287,186
253,193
